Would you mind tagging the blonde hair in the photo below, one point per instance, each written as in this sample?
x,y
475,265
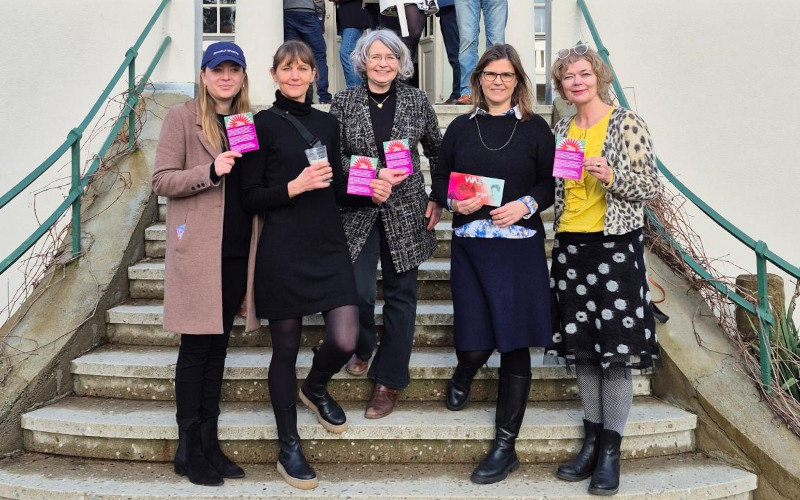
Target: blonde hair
x,y
212,130
604,76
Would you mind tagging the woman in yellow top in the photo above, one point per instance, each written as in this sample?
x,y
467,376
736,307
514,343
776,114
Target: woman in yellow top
x,y
603,319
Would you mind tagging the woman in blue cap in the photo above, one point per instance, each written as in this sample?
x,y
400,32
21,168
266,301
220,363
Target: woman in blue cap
x,y
208,269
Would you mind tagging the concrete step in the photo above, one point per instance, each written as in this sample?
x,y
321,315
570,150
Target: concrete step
x,y
688,476
155,237
146,279
139,322
420,432
147,373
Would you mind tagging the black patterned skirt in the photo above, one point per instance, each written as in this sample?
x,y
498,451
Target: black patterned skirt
x,y
602,314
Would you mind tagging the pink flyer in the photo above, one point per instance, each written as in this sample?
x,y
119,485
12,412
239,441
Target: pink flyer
x,y
362,171
398,155
241,132
569,158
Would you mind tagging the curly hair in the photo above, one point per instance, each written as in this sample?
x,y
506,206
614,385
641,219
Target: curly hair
x,y
600,69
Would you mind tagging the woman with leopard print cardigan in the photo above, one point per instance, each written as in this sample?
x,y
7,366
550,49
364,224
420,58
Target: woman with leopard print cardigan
x,y
603,318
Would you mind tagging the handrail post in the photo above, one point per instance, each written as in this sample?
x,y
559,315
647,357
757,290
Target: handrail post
x,y
764,315
132,93
76,186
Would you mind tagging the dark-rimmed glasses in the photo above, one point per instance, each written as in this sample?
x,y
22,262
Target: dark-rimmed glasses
x,y
579,50
491,76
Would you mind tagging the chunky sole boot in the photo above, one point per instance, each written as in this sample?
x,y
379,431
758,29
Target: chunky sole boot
x,y
512,399
582,466
292,464
192,463
605,479
314,394
217,459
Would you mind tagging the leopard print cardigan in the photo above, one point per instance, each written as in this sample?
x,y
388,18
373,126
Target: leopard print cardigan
x,y
629,151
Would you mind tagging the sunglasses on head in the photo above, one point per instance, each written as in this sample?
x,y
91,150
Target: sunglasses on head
x,y
579,50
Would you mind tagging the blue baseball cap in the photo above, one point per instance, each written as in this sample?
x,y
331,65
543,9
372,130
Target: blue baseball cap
x,y
219,52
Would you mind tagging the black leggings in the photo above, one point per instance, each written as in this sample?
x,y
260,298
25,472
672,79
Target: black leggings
x,y
341,334
201,358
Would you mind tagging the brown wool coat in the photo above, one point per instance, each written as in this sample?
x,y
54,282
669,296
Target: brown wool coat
x,y
192,279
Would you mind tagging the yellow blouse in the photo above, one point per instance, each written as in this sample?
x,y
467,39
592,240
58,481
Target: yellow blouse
x,y
585,199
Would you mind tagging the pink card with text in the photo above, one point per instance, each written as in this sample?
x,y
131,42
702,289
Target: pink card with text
x,y
241,132
568,161
362,171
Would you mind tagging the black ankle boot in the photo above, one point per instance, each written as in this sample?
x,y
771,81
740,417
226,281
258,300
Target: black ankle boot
x,y
314,393
458,388
582,466
214,455
512,398
605,480
292,465
189,459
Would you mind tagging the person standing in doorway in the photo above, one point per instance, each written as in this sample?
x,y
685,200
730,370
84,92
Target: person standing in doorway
x,y
302,20
468,16
449,26
352,19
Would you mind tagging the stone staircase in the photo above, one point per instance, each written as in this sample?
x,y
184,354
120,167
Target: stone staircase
x,y
115,437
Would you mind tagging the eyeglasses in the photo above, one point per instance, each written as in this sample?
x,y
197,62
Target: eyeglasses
x,y
491,76
579,50
377,58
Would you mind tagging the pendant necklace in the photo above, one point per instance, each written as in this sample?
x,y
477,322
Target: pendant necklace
x,y
379,104
504,145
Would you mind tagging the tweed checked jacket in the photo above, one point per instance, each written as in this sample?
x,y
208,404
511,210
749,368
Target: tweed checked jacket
x,y
403,214
629,151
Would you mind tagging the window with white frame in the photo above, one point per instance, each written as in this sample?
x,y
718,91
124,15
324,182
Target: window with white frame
x,y
219,19
539,18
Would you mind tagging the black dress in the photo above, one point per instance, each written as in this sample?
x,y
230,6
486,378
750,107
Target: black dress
x,y
302,262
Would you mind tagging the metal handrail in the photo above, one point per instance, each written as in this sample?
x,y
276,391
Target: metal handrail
x,y
73,141
763,254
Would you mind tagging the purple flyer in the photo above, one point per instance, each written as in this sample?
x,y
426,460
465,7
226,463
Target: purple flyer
x,y
241,132
362,171
398,155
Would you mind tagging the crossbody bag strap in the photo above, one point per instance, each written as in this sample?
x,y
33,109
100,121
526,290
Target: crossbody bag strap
x,y
308,136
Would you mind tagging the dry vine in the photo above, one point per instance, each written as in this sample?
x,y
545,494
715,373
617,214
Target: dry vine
x,y
668,209
48,257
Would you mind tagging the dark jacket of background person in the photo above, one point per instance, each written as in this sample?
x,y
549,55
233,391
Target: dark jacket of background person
x,y
403,214
192,276
350,14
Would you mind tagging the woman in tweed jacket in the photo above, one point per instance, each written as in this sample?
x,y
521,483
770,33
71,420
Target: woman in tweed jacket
x,y
399,232
603,316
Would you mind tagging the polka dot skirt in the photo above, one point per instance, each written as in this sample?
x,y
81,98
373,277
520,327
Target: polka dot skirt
x,y
602,314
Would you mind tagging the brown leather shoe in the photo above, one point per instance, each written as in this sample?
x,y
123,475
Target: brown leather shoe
x,y
465,99
356,366
382,402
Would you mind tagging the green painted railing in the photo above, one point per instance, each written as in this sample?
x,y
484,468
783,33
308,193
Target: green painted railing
x,y
73,141
761,309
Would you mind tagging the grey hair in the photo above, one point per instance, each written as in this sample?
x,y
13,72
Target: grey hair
x,y
405,69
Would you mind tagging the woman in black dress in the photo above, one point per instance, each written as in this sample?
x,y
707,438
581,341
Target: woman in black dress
x,y
302,262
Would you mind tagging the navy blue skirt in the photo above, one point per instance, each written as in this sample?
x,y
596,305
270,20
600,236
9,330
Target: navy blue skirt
x,y
501,293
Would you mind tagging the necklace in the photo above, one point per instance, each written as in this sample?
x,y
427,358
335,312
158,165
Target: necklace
x,y
379,104
501,147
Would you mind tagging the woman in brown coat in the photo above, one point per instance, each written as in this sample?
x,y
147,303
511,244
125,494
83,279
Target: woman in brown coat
x,y
209,260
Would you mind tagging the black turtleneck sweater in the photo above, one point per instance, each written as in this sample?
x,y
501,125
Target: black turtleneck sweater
x,y
302,262
382,117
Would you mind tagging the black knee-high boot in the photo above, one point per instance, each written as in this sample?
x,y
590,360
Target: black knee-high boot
x,y
512,399
605,480
582,466
213,453
292,465
458,387
189,459
314,393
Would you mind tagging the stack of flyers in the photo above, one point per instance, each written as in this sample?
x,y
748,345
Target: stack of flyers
x,y
568,162
488,189
241,132
398,155
362,171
